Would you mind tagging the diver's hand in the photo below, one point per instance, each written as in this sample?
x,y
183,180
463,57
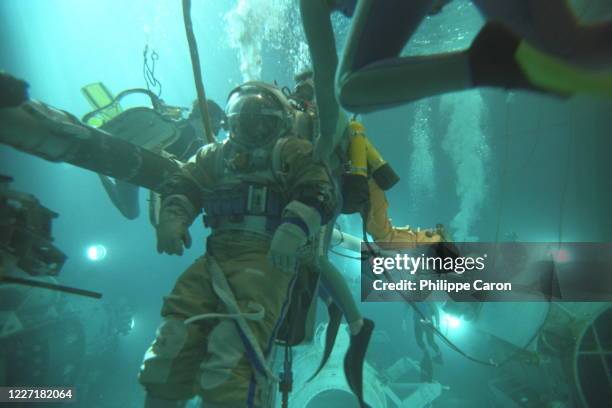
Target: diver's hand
x,y
172,232
285,246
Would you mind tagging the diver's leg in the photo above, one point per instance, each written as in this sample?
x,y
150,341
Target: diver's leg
x,y
335,284
170,367
361,329
418,333
123,195
431,341
371,74
322,46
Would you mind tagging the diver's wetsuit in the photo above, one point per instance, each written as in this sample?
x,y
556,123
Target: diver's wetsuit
x,y
372,75
421,330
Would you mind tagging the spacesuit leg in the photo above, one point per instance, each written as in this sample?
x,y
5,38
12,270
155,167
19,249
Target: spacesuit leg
x,y
170,367
232,373
154,402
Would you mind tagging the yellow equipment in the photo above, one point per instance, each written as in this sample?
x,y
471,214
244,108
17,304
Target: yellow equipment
x,y
99,97
366,160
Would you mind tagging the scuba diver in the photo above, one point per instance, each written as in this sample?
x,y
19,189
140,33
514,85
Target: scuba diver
x,y
372,76
425,318
429,316
369,176
265,200
161,129
361,187
333,289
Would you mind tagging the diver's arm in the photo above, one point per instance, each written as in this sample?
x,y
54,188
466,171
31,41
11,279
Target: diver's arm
x,y
181,202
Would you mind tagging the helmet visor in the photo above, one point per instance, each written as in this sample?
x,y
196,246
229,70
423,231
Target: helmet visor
x,y
254,117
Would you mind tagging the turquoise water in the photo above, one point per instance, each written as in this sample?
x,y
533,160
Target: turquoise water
x,y
487,164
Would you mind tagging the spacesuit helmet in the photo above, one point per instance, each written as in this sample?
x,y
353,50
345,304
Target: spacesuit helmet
x,y
257,114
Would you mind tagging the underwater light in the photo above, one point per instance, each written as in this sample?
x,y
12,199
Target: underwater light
x,y
451,321
96,252
132,323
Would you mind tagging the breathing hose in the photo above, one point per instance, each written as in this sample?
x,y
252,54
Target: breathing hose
x,y
197,71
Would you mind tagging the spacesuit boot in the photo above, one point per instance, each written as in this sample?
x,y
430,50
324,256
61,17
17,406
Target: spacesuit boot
x,y
154,402
354,358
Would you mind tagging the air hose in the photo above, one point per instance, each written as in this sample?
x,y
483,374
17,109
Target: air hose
x,y
197,71
155,101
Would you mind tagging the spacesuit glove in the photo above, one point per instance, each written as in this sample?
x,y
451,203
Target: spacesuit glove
x,y
285,247
173,228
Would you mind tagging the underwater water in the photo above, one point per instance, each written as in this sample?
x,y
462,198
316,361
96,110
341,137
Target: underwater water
x,y
490,165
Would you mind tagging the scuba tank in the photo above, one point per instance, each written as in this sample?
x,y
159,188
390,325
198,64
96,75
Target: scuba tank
x,y
381,171
355,191
363,160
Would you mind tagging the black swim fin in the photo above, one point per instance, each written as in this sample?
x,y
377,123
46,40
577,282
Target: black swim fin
x,y
335,316
354,359
492,61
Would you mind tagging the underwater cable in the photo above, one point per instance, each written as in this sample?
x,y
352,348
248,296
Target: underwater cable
x,y
434,329
425,320
148,71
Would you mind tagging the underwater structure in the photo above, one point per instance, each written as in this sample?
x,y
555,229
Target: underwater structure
x,y
47,335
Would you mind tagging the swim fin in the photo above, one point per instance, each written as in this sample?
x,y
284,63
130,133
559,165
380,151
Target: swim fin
x,y
354,359
499,58
555,75
335,316
491,58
